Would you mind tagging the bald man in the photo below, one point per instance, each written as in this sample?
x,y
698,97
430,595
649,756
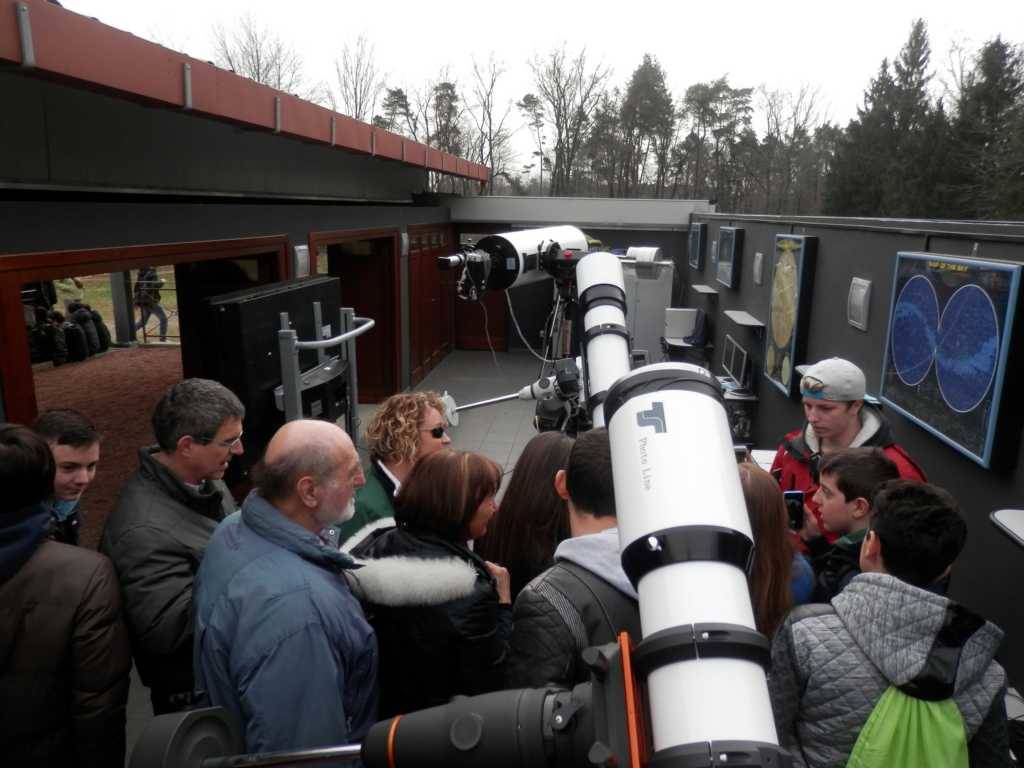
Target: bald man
x,y
280,640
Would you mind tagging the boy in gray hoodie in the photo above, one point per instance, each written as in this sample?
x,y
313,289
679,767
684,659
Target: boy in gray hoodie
x,y
585,598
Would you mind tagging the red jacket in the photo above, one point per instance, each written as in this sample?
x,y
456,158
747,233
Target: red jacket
x,y
795,464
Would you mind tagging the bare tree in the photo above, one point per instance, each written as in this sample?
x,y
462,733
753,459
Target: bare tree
x,y
360,82
570,92
490,140
253,51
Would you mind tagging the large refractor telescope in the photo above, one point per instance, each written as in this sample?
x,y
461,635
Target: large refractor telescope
x,y
510,259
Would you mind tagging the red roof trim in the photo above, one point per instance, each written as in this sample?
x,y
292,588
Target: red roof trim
x,y
66,44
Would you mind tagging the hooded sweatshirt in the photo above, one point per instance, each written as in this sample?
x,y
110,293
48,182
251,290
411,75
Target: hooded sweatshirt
x,y
584,599
830,666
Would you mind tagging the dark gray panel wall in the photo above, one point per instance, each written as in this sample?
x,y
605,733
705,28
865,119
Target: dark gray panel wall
x,y
991,570
42,225
55,134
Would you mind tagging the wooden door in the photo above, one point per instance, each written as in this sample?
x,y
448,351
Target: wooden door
x,y
369,284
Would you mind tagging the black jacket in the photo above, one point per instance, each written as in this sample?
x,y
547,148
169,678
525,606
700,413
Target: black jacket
x,y
64,659
584,599
433,649
156,537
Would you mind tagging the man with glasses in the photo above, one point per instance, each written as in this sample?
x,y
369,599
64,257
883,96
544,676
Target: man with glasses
x,y
163,521
406,428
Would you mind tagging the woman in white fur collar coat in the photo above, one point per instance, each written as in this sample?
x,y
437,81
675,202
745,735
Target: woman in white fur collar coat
x,y
442,614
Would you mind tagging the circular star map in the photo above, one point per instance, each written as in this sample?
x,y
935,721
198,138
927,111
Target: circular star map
x,y
966,356
915,329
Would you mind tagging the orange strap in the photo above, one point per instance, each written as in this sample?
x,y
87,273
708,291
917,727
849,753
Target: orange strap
x,y
392,731
634,714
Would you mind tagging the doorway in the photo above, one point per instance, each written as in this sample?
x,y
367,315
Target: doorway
x,y
366,261
116,388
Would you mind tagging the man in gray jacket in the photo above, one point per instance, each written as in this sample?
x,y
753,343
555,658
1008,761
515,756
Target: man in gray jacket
x,y
832,663
585,598
164,519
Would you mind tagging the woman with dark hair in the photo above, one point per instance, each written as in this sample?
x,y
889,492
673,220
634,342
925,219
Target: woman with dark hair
x,y
533,518
442,613
780,576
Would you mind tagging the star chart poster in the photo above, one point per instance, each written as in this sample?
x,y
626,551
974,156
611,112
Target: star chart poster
x,y
949,337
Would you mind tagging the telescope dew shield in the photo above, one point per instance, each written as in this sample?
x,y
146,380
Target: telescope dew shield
x,y
686,546
602,305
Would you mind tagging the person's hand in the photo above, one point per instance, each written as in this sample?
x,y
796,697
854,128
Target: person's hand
x,y
810,530
503,582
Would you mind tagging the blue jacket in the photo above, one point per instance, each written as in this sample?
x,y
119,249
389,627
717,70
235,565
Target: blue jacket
x,y
279,639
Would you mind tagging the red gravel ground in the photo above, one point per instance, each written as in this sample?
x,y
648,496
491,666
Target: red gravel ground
x,y
117,390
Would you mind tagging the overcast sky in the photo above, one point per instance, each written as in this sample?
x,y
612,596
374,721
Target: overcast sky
x,y
835,47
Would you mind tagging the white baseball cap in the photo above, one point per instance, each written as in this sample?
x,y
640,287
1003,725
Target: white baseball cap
x,y
833,379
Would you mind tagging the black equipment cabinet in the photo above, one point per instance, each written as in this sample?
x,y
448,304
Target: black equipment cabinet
x,y
241,351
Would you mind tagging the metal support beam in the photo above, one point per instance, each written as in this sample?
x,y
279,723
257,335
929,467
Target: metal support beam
x,y
121,299
187,80
28,51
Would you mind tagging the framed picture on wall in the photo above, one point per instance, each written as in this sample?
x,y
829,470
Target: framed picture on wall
x,y
950,327
695,248
730,249
792,276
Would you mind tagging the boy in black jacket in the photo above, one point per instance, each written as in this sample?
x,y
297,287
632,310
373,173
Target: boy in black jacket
x,y
848,481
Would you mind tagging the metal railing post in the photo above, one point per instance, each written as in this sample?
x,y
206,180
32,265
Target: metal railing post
x,y
318,325
287,339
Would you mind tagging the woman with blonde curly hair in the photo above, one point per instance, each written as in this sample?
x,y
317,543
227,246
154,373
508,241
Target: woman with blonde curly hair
x,y
405,428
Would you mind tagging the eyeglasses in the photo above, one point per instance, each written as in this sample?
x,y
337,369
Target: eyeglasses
x,y
436,432
229,444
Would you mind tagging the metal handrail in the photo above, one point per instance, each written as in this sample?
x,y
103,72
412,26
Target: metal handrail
x,y
291,757
363,324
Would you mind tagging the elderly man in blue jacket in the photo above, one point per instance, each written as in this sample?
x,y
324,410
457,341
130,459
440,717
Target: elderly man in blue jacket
x,y
280,640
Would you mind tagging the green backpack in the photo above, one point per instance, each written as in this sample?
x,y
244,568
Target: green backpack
x,y
918,725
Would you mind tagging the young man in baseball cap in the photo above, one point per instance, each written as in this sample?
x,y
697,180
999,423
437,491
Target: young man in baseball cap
x,y
836,417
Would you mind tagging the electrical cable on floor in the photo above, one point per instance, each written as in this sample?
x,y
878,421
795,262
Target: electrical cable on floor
x,y
487,332
515,322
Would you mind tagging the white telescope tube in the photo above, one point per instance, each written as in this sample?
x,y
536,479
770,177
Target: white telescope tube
x,y
686,543
602,303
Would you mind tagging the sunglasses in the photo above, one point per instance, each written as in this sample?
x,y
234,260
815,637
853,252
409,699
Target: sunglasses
x,y
437,432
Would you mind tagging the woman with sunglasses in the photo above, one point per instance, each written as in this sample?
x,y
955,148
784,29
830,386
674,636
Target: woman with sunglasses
x,y
404,429
442,614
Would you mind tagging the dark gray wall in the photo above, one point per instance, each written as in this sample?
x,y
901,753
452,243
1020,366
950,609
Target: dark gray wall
x,y
53,134
990,572
44,224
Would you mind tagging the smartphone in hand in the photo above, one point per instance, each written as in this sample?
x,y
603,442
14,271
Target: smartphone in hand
x,y
795,508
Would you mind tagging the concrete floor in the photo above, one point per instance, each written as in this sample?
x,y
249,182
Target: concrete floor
x,y
498,431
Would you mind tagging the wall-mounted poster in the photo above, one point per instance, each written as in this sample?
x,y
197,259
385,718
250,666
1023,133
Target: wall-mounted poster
x,y
730,248
696,245
949,337
792,274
